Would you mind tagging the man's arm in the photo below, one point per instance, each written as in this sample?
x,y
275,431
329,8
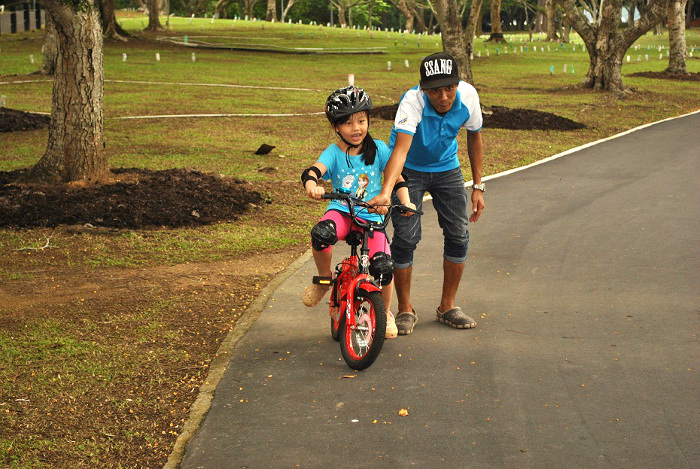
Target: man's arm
x,y
393,168
475,148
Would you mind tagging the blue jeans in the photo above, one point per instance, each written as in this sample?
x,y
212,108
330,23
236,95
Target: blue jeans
x,y
451,204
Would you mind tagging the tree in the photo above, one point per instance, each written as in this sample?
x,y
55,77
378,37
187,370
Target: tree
x,y
271,10
496,28
472,23
50,49
453,41
75,150
249,4
344,7
110,28
551,10
676,37
154,16
286,10
605,43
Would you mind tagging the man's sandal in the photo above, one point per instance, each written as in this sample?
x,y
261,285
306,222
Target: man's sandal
x,y
406,321
456,318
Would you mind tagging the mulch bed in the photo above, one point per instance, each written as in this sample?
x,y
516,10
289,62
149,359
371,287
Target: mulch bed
x,y
138,198
499,117
12,121
668,76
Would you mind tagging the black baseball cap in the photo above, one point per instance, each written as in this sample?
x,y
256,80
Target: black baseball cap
x,y
439,69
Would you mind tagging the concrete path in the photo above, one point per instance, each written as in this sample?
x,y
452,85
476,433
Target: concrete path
x,y
584,277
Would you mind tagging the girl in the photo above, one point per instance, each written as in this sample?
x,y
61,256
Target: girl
x,y
354,164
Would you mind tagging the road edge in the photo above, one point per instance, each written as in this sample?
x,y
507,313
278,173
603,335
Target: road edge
x,y
200,407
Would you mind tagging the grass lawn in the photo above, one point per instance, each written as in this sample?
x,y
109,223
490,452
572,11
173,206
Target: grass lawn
x,y
107,335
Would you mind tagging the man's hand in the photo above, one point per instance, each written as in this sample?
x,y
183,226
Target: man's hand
x,y
477,205
380,200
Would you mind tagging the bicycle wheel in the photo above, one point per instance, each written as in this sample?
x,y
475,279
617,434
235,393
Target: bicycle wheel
x,y
335,329
361,345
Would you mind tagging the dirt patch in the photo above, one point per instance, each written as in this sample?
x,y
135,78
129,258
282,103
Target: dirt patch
x,y
138,198
499,117
665,75
13,121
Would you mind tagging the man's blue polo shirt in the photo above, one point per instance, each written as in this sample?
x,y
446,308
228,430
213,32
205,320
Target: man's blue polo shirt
x,y
434,147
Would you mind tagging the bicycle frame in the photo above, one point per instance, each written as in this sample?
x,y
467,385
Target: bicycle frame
x,y
358,316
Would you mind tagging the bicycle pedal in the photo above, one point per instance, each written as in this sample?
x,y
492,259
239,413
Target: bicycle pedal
x,y
318,280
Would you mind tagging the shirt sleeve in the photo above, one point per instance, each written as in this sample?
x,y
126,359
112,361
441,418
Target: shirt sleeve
x,y
470,98
410,111
328,159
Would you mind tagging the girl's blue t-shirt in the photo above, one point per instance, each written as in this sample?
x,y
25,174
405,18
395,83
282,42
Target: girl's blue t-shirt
x,y
360,180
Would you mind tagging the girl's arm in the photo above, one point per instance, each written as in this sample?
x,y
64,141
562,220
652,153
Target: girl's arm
x,y
404,198
310,178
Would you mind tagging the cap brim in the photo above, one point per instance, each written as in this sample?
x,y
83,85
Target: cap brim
x,y
430,84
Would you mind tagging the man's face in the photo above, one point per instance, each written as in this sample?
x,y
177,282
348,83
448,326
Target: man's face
x,y
442,98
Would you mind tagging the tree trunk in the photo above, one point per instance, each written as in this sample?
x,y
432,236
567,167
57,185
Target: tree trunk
x,y
271,10
676,37
472,21
75,150
154,16
566,28
249,4
110,28
50,49
453,36
551,23
496,29
286,10
688,12
605,44
418,16
539,17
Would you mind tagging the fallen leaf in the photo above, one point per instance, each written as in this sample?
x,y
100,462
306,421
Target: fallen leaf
x,y
348,376
403,412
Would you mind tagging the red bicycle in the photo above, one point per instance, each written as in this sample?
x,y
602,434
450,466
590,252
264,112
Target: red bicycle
x,y
358,315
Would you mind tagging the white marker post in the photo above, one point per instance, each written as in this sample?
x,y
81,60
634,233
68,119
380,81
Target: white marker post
x,y
194,57
124,57
157,56
406,62
351,79
31,59
388,65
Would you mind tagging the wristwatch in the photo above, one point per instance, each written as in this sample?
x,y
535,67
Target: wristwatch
x,y
481,187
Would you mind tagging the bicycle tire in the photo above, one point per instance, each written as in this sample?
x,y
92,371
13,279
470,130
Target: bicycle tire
x,y
360,347
335,330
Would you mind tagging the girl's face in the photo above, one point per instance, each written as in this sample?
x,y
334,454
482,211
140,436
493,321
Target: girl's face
x,y
354,129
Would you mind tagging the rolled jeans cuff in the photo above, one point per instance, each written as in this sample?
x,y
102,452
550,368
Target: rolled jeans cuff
x,y
455,260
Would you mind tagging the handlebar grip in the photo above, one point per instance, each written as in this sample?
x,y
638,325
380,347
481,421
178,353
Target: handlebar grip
x,y
333,195
404,209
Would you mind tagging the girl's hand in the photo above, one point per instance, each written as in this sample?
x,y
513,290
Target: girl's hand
x,y
316,192
409,205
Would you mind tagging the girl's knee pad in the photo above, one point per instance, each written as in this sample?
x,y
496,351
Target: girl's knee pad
x,y
323,234
381,267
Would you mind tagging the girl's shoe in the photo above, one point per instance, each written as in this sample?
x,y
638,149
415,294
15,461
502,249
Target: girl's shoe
x,y
313,294
391,329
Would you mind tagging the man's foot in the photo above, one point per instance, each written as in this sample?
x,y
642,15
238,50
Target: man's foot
x,y
456,318
313,294
391,329
406,321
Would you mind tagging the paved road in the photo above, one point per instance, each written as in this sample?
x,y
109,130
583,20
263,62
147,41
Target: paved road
x,y
584,276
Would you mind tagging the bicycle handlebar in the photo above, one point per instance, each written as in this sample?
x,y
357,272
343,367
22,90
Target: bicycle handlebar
x,y
354,202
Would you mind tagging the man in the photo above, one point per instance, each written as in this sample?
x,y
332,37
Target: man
x,y
424,147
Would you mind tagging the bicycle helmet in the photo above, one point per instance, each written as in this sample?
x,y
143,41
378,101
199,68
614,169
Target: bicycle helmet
x,y
344,102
